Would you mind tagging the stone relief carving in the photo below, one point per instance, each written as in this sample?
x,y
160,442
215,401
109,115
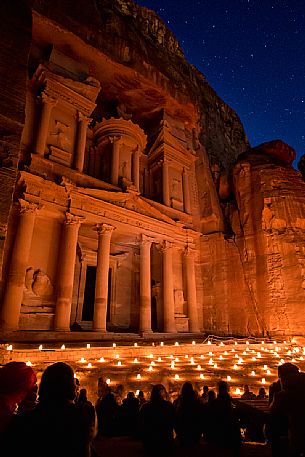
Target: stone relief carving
x,y
179,301
38,283
61,134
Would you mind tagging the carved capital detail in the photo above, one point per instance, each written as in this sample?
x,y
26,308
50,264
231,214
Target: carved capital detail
x,y
166,245
82,118
189,252
28,207
115,138
104,229
146,240
72,219
46,99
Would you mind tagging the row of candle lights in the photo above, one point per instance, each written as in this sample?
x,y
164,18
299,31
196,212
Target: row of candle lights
x,y
175,363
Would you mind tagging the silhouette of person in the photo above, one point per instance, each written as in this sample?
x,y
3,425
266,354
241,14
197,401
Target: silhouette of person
x,y
157,422
17,383
224,430
55,426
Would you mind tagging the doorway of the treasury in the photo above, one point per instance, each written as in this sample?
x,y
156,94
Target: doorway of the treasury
x,y
89,297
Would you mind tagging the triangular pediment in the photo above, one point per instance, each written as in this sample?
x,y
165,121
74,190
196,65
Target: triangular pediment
x,y
129,200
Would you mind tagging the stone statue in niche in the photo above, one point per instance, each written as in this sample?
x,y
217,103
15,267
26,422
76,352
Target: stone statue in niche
x,y
179,301
124,170
176,188
38,283
61,134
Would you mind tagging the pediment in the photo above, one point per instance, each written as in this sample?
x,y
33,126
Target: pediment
x,y
128,200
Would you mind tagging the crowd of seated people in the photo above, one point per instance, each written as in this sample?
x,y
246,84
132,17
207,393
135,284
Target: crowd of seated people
x,y
58,419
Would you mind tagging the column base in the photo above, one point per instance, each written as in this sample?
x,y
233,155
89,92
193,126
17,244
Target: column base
x,y
145,332
100,330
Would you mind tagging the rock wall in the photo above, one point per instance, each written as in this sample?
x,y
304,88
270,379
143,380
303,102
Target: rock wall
x,y
15,36
138,38
253,275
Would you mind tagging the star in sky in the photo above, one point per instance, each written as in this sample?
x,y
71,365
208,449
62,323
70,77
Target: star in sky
x,y
252,54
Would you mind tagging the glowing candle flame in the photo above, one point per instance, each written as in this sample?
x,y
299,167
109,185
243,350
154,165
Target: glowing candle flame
x,y
88,346
159,359
119,363
193,342
252,373
138,376
102,359
229,378
89,365
176,343
176,376
63,347
114,345
198,367
117,356
135,345
40,347
83,360
263,381
237,391
9,347
108,381
161,344
135,360
29,363
201,376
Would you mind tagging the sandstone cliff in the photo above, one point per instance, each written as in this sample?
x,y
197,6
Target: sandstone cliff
x,y
137,37
15,47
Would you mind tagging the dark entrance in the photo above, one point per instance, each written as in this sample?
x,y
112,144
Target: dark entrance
x,y
88,305
108,316
154,319
89,295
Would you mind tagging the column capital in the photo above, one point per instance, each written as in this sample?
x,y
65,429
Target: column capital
x,y
166,245
28,207
104,228
46,99
82,118
146,240
115,138
72,219
189,252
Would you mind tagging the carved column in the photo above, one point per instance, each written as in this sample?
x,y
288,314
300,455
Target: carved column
x,y
19,262
83,122
165,183
101,284
65,276
47,104
191,290
136,168
115,140
168,288
186,193
145,285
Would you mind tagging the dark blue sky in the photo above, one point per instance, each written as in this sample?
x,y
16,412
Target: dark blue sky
x,y
252,52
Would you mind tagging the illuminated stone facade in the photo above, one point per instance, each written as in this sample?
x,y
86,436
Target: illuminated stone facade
x,y
128,210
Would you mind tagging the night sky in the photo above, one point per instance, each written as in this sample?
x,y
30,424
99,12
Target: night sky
x,y
252,53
